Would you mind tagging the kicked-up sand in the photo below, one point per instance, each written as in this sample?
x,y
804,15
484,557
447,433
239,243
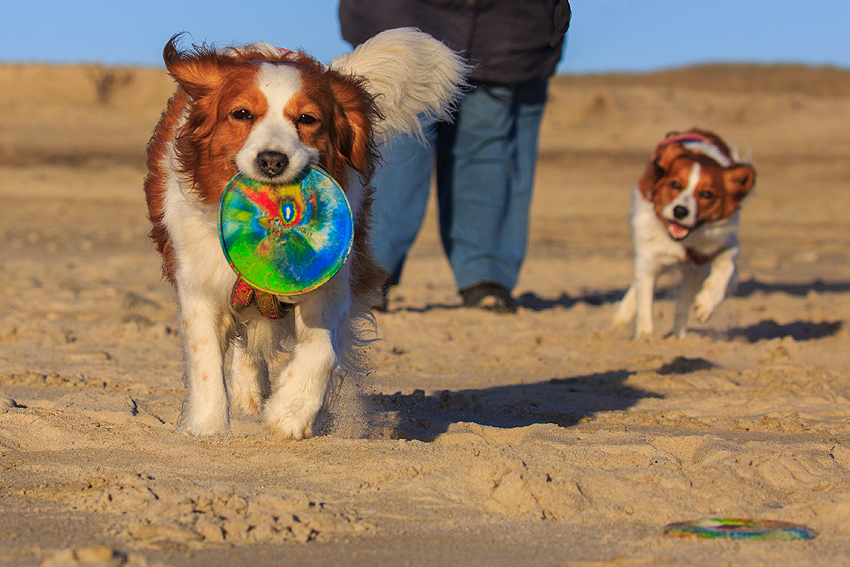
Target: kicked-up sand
x,y
542,438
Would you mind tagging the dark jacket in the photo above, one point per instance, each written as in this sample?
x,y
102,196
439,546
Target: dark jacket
x,y
508,41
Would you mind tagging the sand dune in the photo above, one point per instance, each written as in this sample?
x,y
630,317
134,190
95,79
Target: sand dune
x,y
543,438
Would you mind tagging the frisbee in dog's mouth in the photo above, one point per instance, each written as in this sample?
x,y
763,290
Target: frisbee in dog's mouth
x,y
286,239
677,231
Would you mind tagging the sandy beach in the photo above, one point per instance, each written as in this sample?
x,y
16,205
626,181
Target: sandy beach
x,y
541,438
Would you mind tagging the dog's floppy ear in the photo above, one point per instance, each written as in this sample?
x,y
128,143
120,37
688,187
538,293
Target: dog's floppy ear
x,y
662,157
200,73
351,130
409,73
666,154
197,71
739,180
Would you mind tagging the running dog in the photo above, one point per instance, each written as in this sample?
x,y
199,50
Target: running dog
x,y
685,214
269,113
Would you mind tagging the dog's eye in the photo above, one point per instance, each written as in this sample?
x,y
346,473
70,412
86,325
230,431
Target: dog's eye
x,y
707,195
675,185
242,114
306,120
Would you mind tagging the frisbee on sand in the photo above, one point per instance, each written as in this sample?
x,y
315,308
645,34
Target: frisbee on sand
x,y
286,239
739,529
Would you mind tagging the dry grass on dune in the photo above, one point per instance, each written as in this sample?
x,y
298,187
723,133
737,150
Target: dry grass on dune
x,y
742,78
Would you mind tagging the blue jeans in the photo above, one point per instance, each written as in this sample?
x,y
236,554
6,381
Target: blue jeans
x,y
485,164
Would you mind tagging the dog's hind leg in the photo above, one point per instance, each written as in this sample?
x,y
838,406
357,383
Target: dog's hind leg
x,y
625,314
249,371
692,278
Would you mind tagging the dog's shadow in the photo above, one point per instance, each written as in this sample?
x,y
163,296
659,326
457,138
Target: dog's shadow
x,y
750,287
798,330
562,401
745,289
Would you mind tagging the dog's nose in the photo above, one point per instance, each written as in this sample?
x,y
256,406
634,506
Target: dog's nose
x,y
272,164
680,212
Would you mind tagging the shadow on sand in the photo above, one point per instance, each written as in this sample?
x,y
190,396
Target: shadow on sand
x,y
562,401
798,330
750,287
534,302
745,289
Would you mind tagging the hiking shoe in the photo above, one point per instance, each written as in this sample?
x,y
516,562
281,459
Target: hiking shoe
x,y
490,296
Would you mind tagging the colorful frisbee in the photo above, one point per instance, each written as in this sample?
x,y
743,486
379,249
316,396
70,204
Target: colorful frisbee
x,y
286,239
739,528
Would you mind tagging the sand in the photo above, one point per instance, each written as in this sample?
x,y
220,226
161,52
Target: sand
x,y
542,438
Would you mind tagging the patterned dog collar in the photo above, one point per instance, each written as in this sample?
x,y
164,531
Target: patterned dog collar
x,y
244,295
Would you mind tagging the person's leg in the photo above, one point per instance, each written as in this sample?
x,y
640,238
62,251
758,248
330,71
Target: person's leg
x,y
401,195
531,102
485,171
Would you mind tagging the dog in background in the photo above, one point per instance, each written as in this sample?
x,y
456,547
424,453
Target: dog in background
x,y
685,214
269,113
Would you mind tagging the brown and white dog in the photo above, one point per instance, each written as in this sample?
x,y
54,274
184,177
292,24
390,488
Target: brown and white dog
x,y
685,214
268,113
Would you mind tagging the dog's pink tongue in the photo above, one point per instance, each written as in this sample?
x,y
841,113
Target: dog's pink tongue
x,y
677,231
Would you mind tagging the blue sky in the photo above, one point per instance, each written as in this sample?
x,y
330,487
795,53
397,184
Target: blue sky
x,y
606,35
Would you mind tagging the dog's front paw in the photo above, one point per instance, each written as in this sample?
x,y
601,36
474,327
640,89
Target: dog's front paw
x,y
706,304
248,403
623,318
291,420
643,334
626,310
249,397
208,426
644,326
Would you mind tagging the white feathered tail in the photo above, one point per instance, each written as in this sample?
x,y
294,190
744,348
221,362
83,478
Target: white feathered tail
x,y
410,74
